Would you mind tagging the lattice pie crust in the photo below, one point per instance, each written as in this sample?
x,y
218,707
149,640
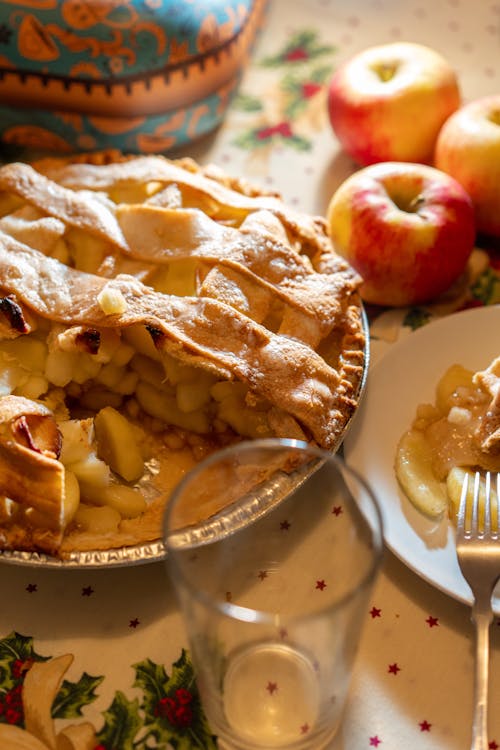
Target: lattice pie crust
x,y
152,311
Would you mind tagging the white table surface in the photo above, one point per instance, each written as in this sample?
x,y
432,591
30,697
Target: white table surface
x,y
412,686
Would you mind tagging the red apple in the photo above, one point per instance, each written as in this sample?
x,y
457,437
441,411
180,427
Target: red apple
x,y
468,148
389,102
408,229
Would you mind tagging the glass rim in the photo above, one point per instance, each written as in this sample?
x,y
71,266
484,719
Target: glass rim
x,y
247,614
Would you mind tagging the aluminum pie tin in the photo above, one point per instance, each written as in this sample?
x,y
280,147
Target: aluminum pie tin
x,y
155,551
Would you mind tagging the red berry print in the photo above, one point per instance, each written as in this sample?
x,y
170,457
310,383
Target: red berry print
x,y
298,54
176,709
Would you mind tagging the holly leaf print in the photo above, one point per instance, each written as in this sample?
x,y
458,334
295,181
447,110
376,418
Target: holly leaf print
x,y
486,288
416,317
182,672
172,705
280,132
301,48
72,696
151,678
247,103
300,90
121,724
16,656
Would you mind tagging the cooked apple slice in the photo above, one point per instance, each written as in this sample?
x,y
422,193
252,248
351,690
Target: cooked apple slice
x,y
91,471
117,445
454,484
454,378
414,472
97,519
126,500
77,439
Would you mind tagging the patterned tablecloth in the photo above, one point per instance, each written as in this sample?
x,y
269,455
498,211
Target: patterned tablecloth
x,y
109,646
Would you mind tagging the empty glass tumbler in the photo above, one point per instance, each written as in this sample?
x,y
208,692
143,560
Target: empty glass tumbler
x,y
273,547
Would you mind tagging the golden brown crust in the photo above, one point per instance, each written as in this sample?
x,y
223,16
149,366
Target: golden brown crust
x,y
30,472
488,434
275,307
200,331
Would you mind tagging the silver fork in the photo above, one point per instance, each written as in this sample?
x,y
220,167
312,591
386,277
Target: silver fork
x,y
478,554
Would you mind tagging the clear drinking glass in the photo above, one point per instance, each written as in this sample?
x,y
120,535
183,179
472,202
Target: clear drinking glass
x,y
273,547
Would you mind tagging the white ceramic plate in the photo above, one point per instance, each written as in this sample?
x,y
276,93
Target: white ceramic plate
x,y
406,376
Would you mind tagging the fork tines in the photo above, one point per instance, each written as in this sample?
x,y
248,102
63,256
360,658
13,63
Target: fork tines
x,y
479,509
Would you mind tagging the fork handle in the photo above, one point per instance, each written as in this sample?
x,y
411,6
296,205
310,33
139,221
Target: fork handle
x,y
482,621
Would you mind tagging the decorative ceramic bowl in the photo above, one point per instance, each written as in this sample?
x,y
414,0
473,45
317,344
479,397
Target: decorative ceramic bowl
x,y
138,75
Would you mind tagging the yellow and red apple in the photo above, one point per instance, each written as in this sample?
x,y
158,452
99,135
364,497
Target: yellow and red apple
x,y
407,229
388,102
468,148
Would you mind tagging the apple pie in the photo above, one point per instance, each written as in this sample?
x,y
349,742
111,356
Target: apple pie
x,y
457,434
151,312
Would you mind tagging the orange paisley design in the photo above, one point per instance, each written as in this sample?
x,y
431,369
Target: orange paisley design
x,y
85,70
103,73
83,14
35,4
160,139
212,34
34,42
155,30
97,47
34,136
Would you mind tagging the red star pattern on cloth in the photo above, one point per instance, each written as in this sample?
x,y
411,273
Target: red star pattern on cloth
x,y
321,585
425,726
432,622
337,510
394,668
375,612
375,741
262,574
87,591
285,525
492,745
271,687
134,623
31,588
304,728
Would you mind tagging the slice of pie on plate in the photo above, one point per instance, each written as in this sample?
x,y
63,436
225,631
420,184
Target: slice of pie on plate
x,y
152,311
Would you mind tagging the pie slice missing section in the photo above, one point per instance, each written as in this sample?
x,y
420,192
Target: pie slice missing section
x,y
152,311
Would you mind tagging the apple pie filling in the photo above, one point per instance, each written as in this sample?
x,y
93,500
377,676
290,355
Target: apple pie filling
x,y
151,312
458,433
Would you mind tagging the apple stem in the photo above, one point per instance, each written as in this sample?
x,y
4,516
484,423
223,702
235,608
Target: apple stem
x,y
386,71
494,117
415,204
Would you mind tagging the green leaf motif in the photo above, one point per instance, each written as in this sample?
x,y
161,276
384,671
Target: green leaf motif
x,y
487,288
169,716
151,678
301,48
15,649
72,696
416,317
122,723
247,103
254,139
299,90
182,674
172,706
298,78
